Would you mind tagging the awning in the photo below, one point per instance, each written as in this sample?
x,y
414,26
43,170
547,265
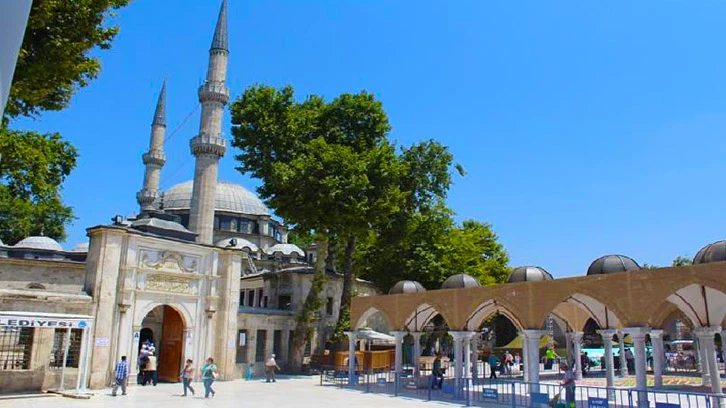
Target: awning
x,y
544,341
375,337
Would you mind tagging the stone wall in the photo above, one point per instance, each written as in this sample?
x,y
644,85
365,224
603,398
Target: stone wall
x,y
55,276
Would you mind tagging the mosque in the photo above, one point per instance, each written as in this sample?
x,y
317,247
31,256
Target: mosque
x,y
203,270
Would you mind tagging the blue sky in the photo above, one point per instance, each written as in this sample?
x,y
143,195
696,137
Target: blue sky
x,y
586,128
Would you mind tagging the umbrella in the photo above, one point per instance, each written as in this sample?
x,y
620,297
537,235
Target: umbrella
x,y
517,343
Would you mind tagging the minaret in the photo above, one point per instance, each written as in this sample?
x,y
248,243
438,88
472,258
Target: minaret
x,y
209,145
154,159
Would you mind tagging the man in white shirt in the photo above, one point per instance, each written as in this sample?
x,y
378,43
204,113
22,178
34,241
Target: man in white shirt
x,y
568,383
270,367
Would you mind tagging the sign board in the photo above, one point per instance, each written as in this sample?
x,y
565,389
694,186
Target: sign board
x,y
447,389
27,321
381,381
230,344
666,405
242,339
490,393
137,337
101,341
539,398
593,402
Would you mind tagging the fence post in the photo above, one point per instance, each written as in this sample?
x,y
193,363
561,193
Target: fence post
x,y
395,384
432,379
466,390
630,398
514,396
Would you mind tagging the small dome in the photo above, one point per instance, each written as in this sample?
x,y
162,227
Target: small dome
x,y
612,264
39,243
529,274
715,252
459,281
285,249
406,286
229,197
82,247
237,243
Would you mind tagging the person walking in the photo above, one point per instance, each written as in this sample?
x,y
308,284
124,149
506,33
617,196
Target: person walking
x,y
187,376
508,363
209,374
568,382
437,372
151,368
122,375
271,366
143,361
493,365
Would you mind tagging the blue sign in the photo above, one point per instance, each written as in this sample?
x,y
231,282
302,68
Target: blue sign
x,y
82,324
381,381
593,402
539,398
490,393
666,405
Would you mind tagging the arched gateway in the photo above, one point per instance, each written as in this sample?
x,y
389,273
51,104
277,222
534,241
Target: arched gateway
x,y
163,327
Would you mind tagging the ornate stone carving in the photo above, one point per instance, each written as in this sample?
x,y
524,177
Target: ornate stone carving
x,y
169,260
169,284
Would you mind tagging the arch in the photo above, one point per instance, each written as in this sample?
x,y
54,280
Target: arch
x,y
36,286
703,305
183,312
370,312
421,316
592,307
488,308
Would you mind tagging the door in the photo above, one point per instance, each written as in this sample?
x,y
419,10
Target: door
x,y
170,350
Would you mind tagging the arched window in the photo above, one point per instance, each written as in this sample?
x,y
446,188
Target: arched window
x,y
36,285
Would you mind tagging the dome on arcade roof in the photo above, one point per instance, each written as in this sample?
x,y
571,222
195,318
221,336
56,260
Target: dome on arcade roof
x,y
285,249
529,274
229,197
39,242
406,286
459,281
237,243
715,252
612,264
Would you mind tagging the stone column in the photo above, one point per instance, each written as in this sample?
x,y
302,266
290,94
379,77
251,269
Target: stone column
x,y
475,356
399,335
351,353
708,346
656,338
525,357
416,351
576,338
621,355
641,382
531,338
568,343
467,336
607,340
702,363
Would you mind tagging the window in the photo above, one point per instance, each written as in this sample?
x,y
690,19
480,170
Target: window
x,y
259,298
233,224
241,297
277,343
260,346
242,347
264,302
329,307
216,223
251,298
16,344
59,348
284,302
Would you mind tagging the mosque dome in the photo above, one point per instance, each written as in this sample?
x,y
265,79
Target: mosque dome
x,y
229,197
237,243
82,247
406,286
529,274
285,249
715,252
39,242
459,281
612,264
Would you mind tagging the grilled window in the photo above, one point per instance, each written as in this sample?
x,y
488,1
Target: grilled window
x,y
59,347
16,344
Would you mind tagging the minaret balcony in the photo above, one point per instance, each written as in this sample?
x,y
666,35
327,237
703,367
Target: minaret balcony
x,y
147,197
214,92
154,158
205,144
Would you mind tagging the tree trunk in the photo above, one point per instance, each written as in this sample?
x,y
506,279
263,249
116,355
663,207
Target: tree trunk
x,y
331,263
310,309
348,275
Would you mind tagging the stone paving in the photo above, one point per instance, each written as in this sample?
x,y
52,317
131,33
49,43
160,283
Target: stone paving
x,y
286,392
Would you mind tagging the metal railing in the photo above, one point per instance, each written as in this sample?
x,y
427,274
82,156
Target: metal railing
x,y
510,393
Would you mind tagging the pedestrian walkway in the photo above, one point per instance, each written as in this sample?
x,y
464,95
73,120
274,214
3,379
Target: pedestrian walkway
x,y
286,392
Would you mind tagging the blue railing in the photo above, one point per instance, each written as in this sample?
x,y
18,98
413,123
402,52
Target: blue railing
x,y
514,394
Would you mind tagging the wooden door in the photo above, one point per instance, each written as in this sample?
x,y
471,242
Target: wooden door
x,y
170,350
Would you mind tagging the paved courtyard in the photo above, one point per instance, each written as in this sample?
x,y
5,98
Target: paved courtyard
x,y
286,392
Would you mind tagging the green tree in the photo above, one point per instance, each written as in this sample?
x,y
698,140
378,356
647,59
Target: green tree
x,y
32,168
54,62
682,261
55,58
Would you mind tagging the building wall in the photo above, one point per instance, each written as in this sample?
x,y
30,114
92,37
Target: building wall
x,y
56,276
